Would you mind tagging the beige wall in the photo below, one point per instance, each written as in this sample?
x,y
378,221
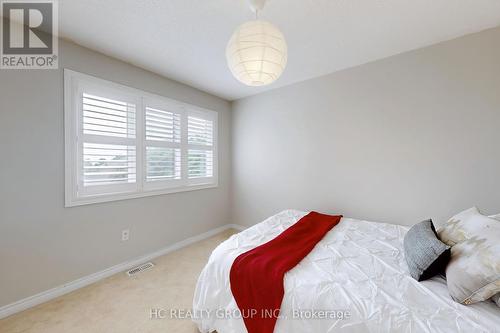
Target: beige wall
x,y
413,136
43,244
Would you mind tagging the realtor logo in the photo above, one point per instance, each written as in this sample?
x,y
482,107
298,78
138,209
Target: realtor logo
x,y
29,34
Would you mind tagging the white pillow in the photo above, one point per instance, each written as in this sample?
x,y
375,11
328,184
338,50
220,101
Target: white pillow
x,y
473,274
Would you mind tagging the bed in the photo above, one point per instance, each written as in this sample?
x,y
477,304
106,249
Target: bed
x,y
355,278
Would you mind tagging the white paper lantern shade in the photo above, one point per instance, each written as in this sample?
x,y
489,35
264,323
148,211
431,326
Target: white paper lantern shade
x,y
257,53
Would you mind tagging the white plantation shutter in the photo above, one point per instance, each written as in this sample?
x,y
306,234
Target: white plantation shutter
x,y
125,143
200,153
200,131
107,144
200,163
163,144
108,117
105,164
162,125
163,163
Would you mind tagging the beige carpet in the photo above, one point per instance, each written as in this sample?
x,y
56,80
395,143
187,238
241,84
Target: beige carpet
x,y
122,304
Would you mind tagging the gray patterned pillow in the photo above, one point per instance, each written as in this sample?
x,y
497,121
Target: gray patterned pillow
x,y
425,254
496,299
473,274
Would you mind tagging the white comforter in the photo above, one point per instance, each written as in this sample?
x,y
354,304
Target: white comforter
x,y
358,268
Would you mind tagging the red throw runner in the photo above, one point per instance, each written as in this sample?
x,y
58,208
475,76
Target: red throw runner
x,y
257,275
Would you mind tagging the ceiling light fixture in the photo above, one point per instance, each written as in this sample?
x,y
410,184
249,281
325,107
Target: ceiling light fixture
x,y
257,53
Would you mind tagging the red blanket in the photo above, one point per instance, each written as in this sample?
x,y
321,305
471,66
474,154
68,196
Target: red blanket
x,y
257,275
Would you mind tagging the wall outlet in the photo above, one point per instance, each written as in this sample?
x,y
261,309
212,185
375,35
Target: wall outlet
x,y
125,235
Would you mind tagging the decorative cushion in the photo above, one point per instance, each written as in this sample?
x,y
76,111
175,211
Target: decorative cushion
x,y
425,254
496,299
473,274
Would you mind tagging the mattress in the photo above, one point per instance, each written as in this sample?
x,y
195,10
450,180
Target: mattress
x,y
354,280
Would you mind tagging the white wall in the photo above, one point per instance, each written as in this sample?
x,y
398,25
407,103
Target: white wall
x,y
413,136
43,244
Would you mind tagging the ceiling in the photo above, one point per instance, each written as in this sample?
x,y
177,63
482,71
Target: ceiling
x,y
185,40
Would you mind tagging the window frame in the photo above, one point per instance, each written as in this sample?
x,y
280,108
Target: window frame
x,y
74,84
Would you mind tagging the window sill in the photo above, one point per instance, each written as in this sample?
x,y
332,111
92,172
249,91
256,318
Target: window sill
x,y
94,199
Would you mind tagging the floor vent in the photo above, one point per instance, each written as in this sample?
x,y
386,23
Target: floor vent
x,y
140,268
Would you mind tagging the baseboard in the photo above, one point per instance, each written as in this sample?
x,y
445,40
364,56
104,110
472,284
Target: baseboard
x,y
50,294
238,227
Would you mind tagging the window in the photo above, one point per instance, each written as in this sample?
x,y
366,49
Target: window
x,y
124,143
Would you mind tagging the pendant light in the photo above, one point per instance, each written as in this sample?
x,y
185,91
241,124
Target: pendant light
x,y
257,52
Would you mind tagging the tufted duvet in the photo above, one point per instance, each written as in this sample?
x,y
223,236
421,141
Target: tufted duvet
x,y
354,280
